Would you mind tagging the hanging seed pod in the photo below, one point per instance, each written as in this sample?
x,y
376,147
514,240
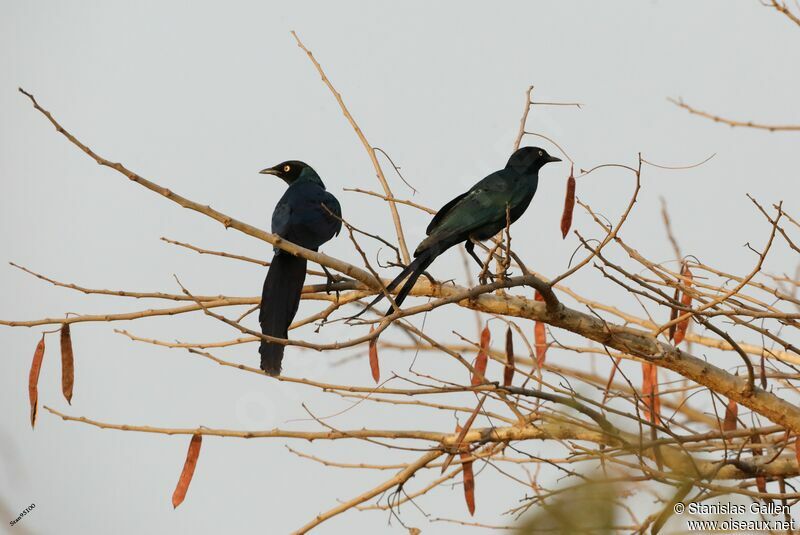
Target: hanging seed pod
x,y
188,470
67,363
731,414
479,376
468,476
540,336
761,484
647,389
373,357
569,205
673,314
650,398
686,301
656,397
508,373
462,432
33,379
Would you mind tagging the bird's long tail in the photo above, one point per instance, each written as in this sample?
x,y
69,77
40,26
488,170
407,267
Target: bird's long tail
x,y
279,301
413,272
415,269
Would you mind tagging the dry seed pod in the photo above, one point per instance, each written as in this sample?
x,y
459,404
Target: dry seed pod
x,y
731,413
686,301
540,337
468,476
67,363
373,357
188,470
479,376
508,373
33,379
650,398
569,205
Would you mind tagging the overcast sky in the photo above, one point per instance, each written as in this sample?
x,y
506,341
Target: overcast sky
x,y
199,97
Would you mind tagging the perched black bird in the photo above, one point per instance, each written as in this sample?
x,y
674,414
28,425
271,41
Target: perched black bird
x,y
478,214
302,216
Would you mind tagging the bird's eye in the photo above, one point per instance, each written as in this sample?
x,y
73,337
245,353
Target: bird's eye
x,y
541,153
286,168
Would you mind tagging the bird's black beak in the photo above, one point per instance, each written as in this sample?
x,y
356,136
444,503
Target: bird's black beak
x,y
268,171
549,159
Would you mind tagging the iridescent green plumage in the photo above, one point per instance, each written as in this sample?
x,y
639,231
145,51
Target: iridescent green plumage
x,y
477,215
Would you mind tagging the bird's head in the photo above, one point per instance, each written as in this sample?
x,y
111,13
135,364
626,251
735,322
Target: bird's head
x,y
530,159
288,171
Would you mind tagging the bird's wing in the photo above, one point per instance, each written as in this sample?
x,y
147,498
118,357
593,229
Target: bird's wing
x,y
332,204
492,183
482,205
442,212
281,218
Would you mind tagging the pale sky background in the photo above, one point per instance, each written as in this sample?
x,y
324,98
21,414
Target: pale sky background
x,y
199,97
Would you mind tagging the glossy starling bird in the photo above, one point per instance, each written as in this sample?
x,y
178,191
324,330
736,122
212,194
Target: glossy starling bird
x,y
478,214
302,216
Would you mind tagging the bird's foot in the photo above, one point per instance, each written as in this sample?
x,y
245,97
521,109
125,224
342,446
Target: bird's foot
x,y
330,280
488,276
328,286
